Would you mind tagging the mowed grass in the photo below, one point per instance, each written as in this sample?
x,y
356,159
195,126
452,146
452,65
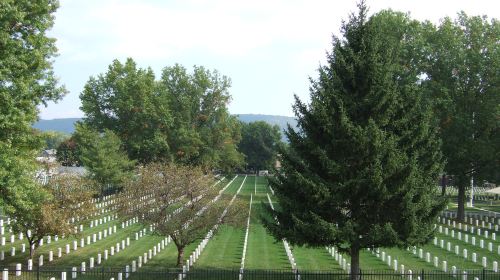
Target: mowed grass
x,y
225,249
263,251
314,259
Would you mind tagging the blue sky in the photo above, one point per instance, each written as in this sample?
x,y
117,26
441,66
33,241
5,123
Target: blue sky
x,y
268,48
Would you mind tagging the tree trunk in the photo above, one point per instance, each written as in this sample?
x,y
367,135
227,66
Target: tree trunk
x,y
32,249
355,271
180,256
443,185
461,201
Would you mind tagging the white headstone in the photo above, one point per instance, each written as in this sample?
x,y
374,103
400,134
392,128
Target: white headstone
x,y
83,269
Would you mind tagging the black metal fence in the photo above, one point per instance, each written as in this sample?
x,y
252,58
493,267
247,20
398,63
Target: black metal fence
x,y
220,274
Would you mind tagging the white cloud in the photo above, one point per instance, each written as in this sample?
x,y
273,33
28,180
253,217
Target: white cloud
x,y
280,39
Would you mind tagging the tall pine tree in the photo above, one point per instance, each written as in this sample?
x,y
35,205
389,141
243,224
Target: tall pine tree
x,y
361,170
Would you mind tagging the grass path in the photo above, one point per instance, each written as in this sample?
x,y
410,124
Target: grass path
x,y
263,251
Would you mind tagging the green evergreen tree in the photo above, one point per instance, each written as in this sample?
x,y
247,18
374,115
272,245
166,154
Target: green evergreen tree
x,y
360,171
103,156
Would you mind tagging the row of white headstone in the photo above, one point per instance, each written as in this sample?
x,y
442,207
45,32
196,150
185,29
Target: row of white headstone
x,y
142,259
194,256
475,218
479,230
409,273
12,238
95,238
481,244
157,248
6,225
120,246
204,208
124,243
92,263
474,256
343,263
245,242
101,208
288,250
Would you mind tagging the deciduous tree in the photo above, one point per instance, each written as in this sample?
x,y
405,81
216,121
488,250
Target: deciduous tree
x,y
463,82
180,201
125,100
259,143
26,81
68,153
48,210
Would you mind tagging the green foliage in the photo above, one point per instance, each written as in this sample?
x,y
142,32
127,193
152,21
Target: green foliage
x,y
68,153
463,81
182,117
102,156
187,203
259,143
46,210
52,139
124,100
26,81
361,170
203,132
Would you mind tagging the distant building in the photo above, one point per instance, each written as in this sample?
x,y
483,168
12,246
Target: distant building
x,y
263,172
47,156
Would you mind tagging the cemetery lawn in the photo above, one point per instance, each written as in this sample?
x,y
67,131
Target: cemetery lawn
x,y
263,251
225,249
314,259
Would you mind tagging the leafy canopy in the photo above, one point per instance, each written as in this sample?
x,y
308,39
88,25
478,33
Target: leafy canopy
x,y
463,83
26,81
259,143
103,156
182,117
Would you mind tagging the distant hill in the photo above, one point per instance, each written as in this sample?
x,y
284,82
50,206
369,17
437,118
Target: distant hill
x,y
67,125
280,121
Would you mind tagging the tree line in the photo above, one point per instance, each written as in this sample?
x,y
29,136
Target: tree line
x,y
398,103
